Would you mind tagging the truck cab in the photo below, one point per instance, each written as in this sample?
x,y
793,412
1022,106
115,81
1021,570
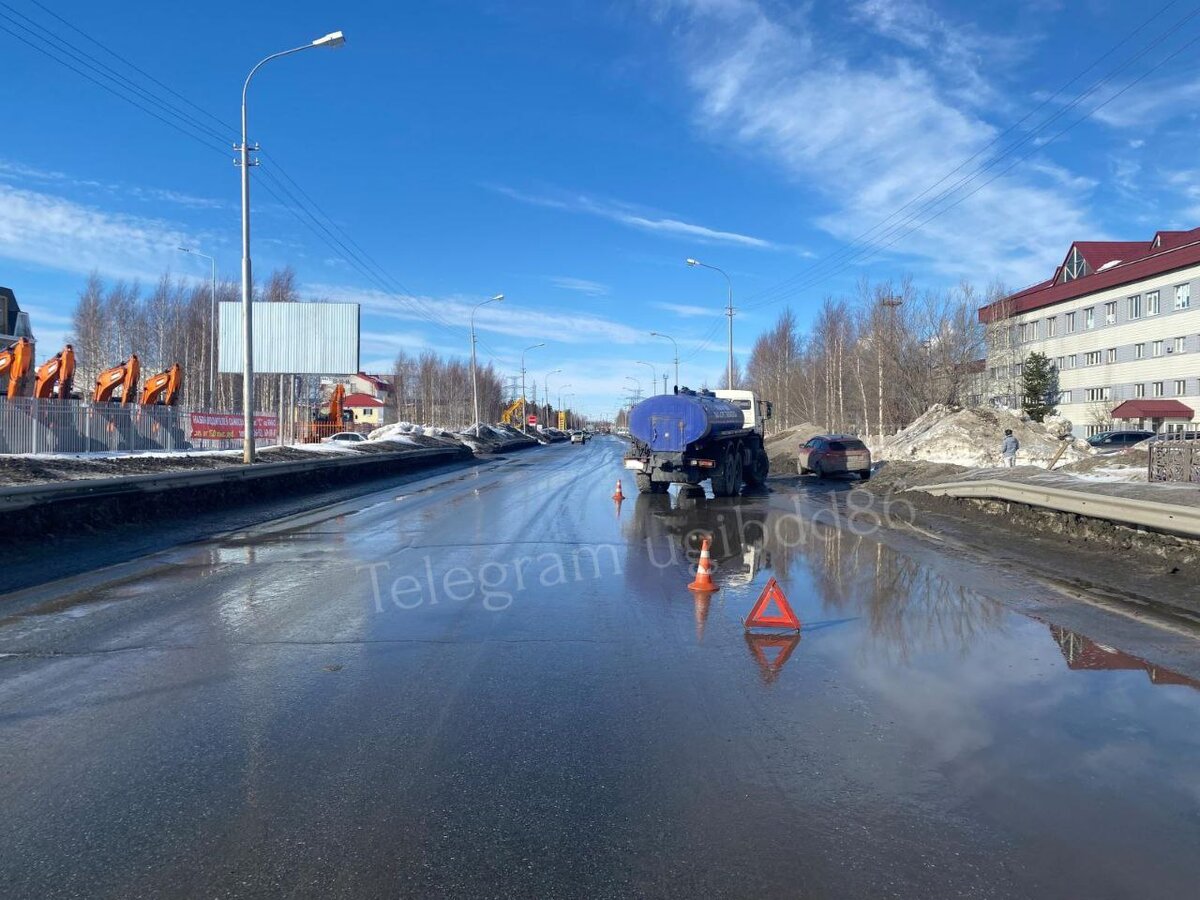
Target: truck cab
x,y
755,411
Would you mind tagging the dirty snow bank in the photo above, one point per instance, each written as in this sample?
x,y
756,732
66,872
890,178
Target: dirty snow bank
x,y
781,447
971,437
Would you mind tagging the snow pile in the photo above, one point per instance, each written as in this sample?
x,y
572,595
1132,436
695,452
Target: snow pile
x,y
782,446
395,429
1058,426
972,437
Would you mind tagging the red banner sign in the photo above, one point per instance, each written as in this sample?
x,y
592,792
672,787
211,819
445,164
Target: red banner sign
x,y
532,419
228,426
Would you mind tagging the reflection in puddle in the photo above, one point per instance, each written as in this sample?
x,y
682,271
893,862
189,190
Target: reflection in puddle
x,y
901,608
1082,653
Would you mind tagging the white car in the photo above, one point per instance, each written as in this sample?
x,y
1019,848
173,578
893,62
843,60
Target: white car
x,y
578,437
345,437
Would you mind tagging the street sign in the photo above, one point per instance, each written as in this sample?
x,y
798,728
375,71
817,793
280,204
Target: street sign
x,y
531,419
562,421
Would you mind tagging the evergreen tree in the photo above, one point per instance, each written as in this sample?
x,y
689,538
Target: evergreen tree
x,y
1039,386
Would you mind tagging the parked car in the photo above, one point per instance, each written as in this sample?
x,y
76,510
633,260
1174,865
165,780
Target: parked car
x,y
1117,440
831,454
345,437
578,437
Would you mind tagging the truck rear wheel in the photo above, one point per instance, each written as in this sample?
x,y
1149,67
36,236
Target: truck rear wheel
x,y
760,467
727,481
646,486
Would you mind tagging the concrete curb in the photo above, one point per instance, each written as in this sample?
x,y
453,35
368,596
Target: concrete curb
x,y
1165,517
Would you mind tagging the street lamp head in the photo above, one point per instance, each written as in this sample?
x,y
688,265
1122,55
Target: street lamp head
x,y
333,39
693,262
497,298
184,249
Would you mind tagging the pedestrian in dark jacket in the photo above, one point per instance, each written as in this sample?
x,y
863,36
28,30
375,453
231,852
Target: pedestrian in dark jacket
x,y
1009,447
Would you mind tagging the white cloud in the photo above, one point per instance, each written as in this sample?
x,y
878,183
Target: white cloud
x,y
871,135
687,310
627,215
51,231
509,320
579,285
1150,104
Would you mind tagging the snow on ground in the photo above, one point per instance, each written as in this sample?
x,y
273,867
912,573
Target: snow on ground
x,y
972,436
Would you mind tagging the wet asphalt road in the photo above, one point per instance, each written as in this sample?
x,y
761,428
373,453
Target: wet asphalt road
x,y
494,682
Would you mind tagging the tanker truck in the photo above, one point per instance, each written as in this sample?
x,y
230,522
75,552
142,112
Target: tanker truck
x,y
690,436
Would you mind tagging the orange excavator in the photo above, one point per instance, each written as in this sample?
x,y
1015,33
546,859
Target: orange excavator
x,y
163,388
124,376
58,370
15,362
325,426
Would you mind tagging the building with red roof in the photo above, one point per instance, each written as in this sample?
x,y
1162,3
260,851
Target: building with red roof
x,y
1120,320
365,409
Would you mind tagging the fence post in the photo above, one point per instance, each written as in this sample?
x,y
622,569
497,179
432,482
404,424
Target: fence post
x,y
33,419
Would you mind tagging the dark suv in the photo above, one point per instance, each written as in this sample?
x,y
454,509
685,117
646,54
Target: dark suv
x,y
1118,440
829,454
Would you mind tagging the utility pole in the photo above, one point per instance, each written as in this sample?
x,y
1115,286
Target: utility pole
x,y
728,311
524,417
676,346
474,378
891,303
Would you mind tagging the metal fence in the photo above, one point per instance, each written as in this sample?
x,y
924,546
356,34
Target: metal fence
x,y
1175,457
73,426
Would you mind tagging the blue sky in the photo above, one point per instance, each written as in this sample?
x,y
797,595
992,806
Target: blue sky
x,y
572,154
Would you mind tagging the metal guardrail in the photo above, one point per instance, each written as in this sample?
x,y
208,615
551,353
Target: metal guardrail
x,y
1166,517
29,495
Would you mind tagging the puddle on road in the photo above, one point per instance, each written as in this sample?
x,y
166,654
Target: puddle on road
x,y
927,690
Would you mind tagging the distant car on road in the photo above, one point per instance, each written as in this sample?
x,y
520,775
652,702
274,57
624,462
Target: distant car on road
x,y
578,437
345,437
832,454
1118,440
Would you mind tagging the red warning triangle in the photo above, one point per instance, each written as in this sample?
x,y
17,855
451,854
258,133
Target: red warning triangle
x,y
760,646
760,617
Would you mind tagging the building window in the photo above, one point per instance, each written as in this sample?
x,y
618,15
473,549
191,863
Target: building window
x,y
1091,358
1139,391
1139,351
1072,361
1180,345
1152,303
1064,397
1156,349
1052,326
1111,355
1060,363
1095,395
1183,296
1135,306
1180,387
1110,313
1076,266
1089,318
1157,388
1070,323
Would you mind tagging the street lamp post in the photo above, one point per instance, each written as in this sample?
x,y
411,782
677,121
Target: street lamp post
x,y
546,392
474,380
638,382
524,420
676,346
653,375
333,39
728,311
212,322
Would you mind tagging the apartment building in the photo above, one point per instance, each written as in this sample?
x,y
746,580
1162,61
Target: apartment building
x,y
1121,322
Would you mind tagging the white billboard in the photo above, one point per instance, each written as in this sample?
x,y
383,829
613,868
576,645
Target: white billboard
x,y
292,338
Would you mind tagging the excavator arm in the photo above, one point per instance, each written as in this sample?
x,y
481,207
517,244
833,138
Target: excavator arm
x,y
511,410
164,387
124,376
58,369
15,362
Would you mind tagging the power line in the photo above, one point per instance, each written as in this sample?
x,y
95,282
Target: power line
x,y
306,210
864,242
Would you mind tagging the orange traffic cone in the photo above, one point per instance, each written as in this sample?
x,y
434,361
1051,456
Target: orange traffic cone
x,y
704,580
618,495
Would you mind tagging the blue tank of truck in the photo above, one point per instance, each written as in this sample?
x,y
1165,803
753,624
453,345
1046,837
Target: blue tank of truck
x,y
669,423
